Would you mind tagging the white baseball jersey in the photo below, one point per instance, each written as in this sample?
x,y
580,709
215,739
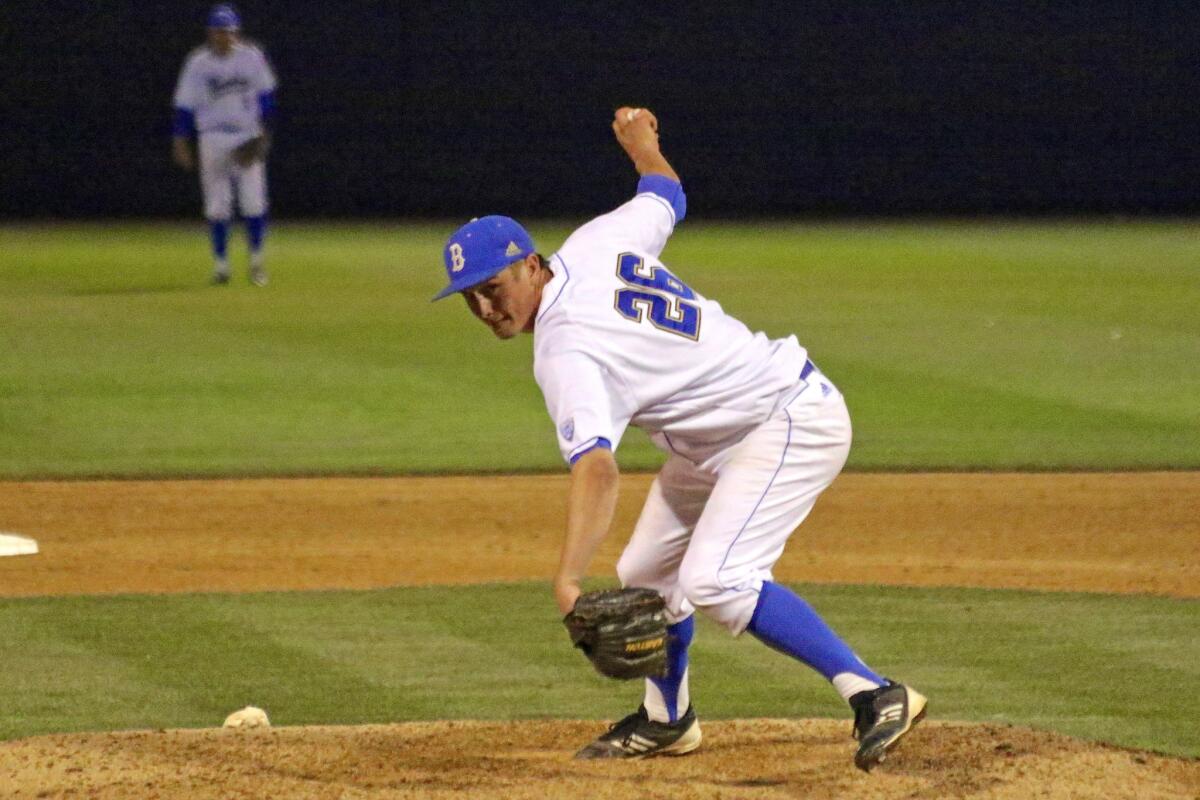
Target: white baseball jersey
x,y
223,91
620,340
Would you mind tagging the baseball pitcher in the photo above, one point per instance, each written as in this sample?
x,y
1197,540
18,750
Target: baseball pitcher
x,y
226,99
753,430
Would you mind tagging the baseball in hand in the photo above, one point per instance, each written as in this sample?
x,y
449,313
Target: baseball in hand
x,y
632,114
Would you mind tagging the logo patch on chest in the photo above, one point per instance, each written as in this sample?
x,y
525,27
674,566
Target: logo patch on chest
x,y
219,86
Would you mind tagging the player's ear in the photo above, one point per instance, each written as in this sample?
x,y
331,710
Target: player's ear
x,y
531,265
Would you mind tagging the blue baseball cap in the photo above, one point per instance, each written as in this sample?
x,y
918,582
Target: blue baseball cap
x,y
480,249
224,16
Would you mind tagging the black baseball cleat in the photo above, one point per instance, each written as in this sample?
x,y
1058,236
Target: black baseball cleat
x,y
219,278
881,718
638,736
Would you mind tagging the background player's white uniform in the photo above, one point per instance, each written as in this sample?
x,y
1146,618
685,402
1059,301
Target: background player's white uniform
x,y
620,340
222,92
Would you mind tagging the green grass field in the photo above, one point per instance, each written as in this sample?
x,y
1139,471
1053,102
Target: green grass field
x,y
958,346
1100,667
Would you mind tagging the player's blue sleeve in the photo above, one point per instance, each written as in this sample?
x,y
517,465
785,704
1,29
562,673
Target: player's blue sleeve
x,y
585,401
587,447
642,225
184,123
266,107
667,189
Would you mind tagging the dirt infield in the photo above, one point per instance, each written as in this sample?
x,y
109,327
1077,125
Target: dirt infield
x,y
1094,532
1129,532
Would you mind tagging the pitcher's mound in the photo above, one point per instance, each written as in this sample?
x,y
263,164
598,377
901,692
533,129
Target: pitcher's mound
x,y
532,759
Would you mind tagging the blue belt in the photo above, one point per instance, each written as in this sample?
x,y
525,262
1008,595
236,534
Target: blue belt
x,y
808,370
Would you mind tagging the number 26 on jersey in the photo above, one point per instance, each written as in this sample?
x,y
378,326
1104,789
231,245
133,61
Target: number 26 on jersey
x,y
653,293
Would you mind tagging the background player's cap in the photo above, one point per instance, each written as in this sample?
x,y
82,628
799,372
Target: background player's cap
x,y
224,16
480,249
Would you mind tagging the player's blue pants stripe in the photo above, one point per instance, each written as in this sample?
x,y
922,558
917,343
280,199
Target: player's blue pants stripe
x,y
805,371
787,623
753,511
679,637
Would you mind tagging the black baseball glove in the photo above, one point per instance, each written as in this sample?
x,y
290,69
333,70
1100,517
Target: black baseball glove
x,y
622,631
252,150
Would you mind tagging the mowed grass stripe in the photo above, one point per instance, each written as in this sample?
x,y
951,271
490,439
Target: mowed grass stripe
x,y
982,345
200,653
1096,666
1000,425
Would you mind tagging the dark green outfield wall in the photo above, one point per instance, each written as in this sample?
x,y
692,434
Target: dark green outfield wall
x,y
455,108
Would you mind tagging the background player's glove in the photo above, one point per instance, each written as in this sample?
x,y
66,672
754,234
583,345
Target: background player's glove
x,y
251,150
622,631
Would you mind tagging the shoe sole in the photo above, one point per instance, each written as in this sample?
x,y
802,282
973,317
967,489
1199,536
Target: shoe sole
x,y
876,755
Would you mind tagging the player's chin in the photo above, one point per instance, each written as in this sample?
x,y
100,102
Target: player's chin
x,y
502,330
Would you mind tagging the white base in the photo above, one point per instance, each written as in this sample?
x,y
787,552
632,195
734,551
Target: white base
x,y
13,545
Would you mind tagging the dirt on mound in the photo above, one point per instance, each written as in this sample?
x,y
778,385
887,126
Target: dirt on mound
x,y
532,759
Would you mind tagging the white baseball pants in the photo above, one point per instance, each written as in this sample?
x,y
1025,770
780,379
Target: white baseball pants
x,y
222,179
708,537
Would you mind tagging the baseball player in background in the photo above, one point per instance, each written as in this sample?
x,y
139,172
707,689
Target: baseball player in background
x,y
753,430
226,98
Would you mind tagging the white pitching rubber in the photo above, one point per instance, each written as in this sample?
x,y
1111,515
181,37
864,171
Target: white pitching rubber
x,y
13,545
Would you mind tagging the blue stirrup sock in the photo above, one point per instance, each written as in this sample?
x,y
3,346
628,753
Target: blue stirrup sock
x,y
785,622
667,697
218,231
256,231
